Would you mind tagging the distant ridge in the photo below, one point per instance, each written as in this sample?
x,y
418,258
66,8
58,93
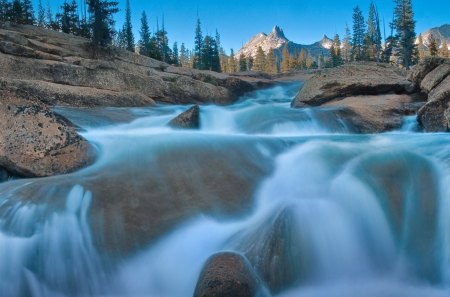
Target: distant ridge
x,y
442,33
276,40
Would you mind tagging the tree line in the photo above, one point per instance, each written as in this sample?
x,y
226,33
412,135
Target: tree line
x,y
94,19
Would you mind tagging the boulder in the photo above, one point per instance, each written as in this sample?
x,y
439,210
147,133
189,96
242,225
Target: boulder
x,y
274,248
433,116
189,119
375,114
421,70
352,80
435,77
227,274
35,142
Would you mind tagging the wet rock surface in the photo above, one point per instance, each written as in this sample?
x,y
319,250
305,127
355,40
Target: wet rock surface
x,y
189,119
227,274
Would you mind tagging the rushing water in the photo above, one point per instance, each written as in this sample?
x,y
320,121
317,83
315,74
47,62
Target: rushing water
x,y
366,214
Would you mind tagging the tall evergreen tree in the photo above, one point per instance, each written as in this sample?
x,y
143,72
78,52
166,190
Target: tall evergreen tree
x,y
271,62
405,26
444,50
232,66
41,15
372,40
69,19
28,13
285,65
15,14
5,8
359,29
335,52
260,60
346,46
162,45
301,60
145,40
433,45
215,56
421,48
242,63
175,54
309,61
102,21
184,56
198,41
128,29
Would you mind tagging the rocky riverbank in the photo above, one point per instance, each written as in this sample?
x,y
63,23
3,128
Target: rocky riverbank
x,y
375,97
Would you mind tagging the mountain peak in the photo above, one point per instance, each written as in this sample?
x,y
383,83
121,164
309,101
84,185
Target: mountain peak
x,y
277,32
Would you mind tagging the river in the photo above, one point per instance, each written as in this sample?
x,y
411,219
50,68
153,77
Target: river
x,y
367,214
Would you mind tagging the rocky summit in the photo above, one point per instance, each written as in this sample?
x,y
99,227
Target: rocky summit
x,y
276,40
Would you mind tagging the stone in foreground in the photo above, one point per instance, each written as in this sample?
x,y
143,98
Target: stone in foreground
x,y
189,119
227,274
35,142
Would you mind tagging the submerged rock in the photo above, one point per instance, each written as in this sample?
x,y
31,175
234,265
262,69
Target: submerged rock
x,y
35,142
275,250
189,119
225,275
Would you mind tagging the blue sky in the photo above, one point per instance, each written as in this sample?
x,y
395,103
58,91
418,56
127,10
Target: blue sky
x,y
303,21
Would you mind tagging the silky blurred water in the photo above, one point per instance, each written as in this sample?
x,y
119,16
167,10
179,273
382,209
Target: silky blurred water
x,y
370,212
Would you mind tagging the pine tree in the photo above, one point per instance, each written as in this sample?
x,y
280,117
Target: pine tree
x,y
183,56
405,26
335,52
260,60
128,29
145,41
206,54
346,46
69,20
51,24
162,45
197,63
102,21
301,60
444,50
41,15
28,13
421,48
175,55
309,61
232,63
250,62
285,66
359,29
215,56
5,8
15,13
242,63
372,39
433,45
271,62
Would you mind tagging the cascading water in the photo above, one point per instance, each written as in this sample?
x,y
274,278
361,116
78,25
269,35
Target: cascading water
x,y
317,210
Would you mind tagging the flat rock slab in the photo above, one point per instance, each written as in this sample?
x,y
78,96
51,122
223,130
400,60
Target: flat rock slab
x,y
353,80
35,142
375,114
